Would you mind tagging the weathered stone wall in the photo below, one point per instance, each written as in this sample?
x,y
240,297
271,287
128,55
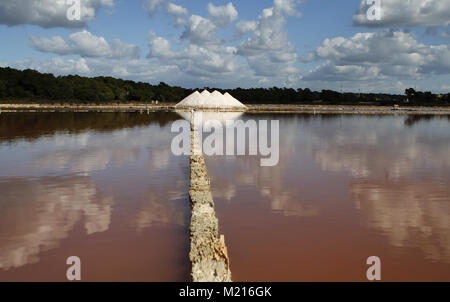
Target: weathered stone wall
x,y
208,254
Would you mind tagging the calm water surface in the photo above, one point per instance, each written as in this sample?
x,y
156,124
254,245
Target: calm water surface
x,y
100,186
346,188
106,188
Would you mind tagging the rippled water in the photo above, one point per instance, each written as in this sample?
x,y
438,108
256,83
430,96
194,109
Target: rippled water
x,y
105,187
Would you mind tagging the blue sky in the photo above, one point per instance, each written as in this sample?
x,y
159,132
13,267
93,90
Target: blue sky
x,y
321,44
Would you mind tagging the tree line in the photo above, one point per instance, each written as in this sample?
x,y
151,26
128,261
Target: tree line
x,y
30,86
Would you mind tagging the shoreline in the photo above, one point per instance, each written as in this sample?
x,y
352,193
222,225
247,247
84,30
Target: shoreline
x,y
315,109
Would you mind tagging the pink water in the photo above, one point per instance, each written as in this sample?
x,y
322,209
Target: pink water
x,y
346,188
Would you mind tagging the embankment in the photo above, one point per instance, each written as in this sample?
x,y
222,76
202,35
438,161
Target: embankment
x,y
208,254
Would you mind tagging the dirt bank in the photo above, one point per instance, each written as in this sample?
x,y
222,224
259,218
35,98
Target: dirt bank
x,y
322,109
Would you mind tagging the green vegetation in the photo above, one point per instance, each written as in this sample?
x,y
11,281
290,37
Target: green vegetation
x,y
30,86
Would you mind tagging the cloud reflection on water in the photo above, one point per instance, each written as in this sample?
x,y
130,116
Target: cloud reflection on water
x,y
414,214
399,177
37,214
54,188
231,173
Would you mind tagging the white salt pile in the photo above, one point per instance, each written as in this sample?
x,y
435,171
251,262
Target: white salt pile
x,y
207,100
222,117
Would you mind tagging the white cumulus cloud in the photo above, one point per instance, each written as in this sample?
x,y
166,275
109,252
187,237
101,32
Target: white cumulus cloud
x,y
199,30
48,13
85,44
268,50
411,13
176,10
222,15
378,55
195,59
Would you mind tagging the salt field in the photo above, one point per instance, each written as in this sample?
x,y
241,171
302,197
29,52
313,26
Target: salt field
x,y
107,188
101,186
346,188
209,150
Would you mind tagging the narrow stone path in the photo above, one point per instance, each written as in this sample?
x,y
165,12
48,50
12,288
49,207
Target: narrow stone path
x,y
208,254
